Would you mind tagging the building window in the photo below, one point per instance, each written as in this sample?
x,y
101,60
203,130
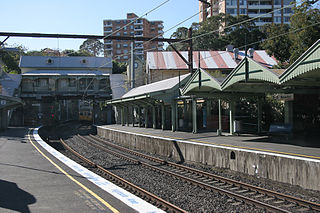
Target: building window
x,y
118,51
118,34
125,51
125,57
49,61
243,2
118,21
117,27
103,84
118,45
243,11
276,19
125,27
125,45
131,27
125,33
286,19
287,10
230,11
277,2
72,82
83,61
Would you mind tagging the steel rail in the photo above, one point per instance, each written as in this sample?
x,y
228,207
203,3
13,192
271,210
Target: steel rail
x,y
190,180
280,196
160,202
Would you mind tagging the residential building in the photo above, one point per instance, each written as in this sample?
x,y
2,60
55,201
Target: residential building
x,y
252,8
65,88
119,49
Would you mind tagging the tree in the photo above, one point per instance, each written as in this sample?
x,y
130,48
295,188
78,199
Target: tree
x,y
278,43
69,52
207,34
180,33
244,33
11,58
118,68
304,27
93,46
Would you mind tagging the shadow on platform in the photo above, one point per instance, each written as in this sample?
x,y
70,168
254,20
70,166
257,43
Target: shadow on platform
x,y
14,198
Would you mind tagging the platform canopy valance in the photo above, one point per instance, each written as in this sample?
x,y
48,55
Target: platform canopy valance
x,y
305,70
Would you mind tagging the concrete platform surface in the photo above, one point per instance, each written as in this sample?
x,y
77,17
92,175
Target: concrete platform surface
x,y
33,180
249,142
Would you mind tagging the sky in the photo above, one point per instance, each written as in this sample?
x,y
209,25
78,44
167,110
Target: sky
x,y
84,17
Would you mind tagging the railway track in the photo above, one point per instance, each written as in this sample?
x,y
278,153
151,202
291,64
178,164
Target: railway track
x,y
149,197
240,192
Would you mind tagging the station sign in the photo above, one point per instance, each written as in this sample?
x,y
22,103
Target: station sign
x,y
284,97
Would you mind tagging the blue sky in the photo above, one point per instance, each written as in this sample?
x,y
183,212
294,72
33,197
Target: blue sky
x,y
83,17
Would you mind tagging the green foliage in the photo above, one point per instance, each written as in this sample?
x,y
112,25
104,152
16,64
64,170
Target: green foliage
x,y
69,52
118,68
207,35
244,33
278,46
92,46
180,33
10,61
306,18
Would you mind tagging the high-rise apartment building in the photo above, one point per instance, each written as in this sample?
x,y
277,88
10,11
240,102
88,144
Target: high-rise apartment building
x,y
252,8
120,50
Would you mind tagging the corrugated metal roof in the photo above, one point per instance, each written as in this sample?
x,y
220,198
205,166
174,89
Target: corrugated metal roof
x,y
64,62
208,59
64,72
155,87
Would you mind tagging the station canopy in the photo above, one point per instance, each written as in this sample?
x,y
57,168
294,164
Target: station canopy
x,y
164,91
251,77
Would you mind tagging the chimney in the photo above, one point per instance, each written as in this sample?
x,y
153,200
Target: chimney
x,y
251,51
236,53
229,48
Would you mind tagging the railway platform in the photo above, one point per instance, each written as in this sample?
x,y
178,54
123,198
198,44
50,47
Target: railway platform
x,y
293,162
35,178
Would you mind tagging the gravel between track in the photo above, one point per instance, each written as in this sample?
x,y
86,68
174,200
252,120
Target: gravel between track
x,y
184,195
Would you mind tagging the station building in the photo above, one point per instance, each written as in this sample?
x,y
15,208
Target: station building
x,y
209,101
64,88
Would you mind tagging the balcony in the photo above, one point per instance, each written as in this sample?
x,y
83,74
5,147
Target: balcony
x,y
139,46
138,22
138,35
259,7
138,42
108,42
138,29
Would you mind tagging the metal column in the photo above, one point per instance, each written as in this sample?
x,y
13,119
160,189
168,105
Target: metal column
x,y
259,114
122,116
154,120
146,117
163,122
231,116
139,116
173,116
219,131
194,116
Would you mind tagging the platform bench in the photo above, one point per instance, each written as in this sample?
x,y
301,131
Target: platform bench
x,y
280,130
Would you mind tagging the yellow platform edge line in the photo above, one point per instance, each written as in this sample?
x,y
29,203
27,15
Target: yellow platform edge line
x,y
74,180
